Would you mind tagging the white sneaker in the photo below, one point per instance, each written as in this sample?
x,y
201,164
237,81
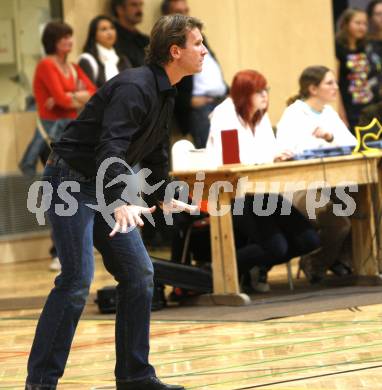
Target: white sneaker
x,y
55,264
258,280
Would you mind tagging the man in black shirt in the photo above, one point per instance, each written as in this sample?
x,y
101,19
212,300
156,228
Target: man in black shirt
x,y
126,120
130,41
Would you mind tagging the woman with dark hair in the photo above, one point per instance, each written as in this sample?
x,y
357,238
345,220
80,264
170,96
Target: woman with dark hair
x,y
309,122
358,66
60,89
262,238
100,60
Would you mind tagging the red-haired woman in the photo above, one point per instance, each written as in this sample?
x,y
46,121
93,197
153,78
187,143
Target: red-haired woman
x,y
246,111
263,236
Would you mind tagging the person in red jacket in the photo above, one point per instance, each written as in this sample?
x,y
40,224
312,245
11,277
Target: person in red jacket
x,y
60,89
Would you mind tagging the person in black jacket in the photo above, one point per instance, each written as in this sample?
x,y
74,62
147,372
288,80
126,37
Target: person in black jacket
x,y
197,96
124,123
131,42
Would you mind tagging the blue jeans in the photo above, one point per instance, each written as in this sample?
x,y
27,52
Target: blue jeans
x,y
272,239
124,256
37,145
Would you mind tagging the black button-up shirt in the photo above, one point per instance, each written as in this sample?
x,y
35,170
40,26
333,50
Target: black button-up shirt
x,y
127,118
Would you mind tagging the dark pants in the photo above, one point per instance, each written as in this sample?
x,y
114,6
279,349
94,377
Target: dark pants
x,y
259,240
124,256
274,239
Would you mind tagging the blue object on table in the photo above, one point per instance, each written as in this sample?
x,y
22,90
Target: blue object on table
x,y
325,152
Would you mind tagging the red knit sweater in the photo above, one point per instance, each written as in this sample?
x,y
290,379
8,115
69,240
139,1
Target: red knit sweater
x,y
49,81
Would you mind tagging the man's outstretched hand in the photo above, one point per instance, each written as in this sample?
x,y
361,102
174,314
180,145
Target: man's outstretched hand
x,y
129,216
178,206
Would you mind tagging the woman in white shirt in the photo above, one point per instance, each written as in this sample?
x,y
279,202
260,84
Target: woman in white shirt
x,y
308,123
261,241
99,59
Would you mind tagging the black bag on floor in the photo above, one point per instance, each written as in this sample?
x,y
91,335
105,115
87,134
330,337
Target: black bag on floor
x,y
165,273
107,299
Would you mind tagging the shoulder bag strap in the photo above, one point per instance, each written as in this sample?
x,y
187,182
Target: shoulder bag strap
x,y
43,132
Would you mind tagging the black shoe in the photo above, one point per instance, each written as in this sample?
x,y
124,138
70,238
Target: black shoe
x,y
159,301
152,383
340,269
306,267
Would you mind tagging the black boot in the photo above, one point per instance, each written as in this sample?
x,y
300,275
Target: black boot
x,y
152,383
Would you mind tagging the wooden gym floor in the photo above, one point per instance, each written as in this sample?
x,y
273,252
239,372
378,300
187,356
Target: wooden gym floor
x,y
331,350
